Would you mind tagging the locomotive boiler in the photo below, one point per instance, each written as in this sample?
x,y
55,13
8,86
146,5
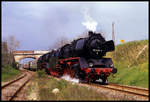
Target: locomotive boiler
x,y
82,58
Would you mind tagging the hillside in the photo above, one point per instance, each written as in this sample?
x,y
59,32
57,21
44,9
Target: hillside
x,y
131,60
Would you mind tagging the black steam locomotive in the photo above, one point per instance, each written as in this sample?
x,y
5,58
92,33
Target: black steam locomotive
x,y
82,59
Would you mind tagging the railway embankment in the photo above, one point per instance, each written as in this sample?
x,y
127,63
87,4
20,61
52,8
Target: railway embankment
x,y
12,89
131,60
9,73
42,88
46,87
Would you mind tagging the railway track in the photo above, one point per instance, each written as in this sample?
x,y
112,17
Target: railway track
x,y
136,92
11,89
141,93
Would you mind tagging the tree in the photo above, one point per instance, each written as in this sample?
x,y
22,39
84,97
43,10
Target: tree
x,y
60,42
12,45
83,35
4,47
5,59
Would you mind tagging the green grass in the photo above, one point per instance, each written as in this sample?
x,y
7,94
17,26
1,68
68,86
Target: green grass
x,y
126,53
131,71
9,73
43,88
41,73
131,76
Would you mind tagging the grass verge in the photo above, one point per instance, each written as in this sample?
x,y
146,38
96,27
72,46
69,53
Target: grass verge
x,y
131,70
41,89
9,73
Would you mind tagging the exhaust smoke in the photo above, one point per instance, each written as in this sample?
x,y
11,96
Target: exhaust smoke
x,y
89,23
68,78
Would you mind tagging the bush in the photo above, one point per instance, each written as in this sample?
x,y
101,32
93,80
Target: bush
x,y
41,73
9,72
15,65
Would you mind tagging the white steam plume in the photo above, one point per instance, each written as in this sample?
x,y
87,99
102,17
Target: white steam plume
x,y
68,78
89,23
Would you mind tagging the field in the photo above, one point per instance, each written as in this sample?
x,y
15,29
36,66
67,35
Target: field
x,y
131,60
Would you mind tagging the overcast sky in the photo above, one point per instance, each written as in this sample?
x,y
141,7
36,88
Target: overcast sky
x,y
38,25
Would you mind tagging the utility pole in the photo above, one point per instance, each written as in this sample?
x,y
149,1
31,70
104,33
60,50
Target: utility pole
x,y
113,35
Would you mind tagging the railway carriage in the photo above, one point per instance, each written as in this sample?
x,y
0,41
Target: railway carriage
x,y
31,65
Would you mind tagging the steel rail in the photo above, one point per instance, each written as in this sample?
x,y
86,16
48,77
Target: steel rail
x,y
16,91
7,84
122,90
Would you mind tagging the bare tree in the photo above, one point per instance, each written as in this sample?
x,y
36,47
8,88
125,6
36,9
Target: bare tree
x,y
60,42
13,44
83,35
4,53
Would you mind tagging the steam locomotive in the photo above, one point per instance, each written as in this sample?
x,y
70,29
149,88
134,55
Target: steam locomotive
x,y
82,58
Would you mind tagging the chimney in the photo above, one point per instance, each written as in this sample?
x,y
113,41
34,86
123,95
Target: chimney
x,y
91,33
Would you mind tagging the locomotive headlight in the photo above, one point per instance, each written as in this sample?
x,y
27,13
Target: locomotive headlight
x,y
90,64
97,51
111,65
